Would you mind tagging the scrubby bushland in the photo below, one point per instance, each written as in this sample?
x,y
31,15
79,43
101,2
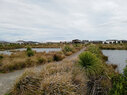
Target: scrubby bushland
x,y
53,79
28,58
20,60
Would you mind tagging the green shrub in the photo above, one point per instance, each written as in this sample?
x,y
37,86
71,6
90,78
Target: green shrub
x,y
90,62
29,49
30,53
125,71
119,85
67,49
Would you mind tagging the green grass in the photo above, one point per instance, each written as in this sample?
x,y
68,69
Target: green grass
x,y
90,63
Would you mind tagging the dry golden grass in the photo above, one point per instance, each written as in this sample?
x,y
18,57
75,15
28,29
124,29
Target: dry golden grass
x,y
19,60
53,79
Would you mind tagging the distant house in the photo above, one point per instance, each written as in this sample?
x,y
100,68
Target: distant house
x,y
112,41
76,41
85,41
20,42
123,41
96,42
26,42
31,42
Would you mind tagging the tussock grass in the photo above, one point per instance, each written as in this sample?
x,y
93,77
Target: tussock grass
x,y
53,79
91,63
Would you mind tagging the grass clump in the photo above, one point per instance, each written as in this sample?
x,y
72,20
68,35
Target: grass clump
x,y
58,57
42,60
53,79
68,50
27,84
90,62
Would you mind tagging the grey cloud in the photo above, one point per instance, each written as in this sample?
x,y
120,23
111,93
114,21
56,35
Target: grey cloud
x,y
58,20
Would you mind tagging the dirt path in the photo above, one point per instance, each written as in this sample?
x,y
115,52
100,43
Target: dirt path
x,y
7,80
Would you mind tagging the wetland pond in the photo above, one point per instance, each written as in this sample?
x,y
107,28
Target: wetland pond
x,y
9,52
118,57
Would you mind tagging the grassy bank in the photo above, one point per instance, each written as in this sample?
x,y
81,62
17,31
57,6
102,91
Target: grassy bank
x,y
44,45
16,46
113,46
87,75
29,58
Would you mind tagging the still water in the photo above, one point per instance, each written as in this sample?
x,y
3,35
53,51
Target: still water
x,y
9,52
118,57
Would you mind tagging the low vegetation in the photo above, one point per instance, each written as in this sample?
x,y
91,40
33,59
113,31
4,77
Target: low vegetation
x,y
119,84
10,46
28,58
87,75
113,46
53,79
25,45
98,72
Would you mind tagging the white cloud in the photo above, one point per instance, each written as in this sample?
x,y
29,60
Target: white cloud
x,y
45,20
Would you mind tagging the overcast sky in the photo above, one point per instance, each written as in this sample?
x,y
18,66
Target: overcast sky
x,y
58,20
